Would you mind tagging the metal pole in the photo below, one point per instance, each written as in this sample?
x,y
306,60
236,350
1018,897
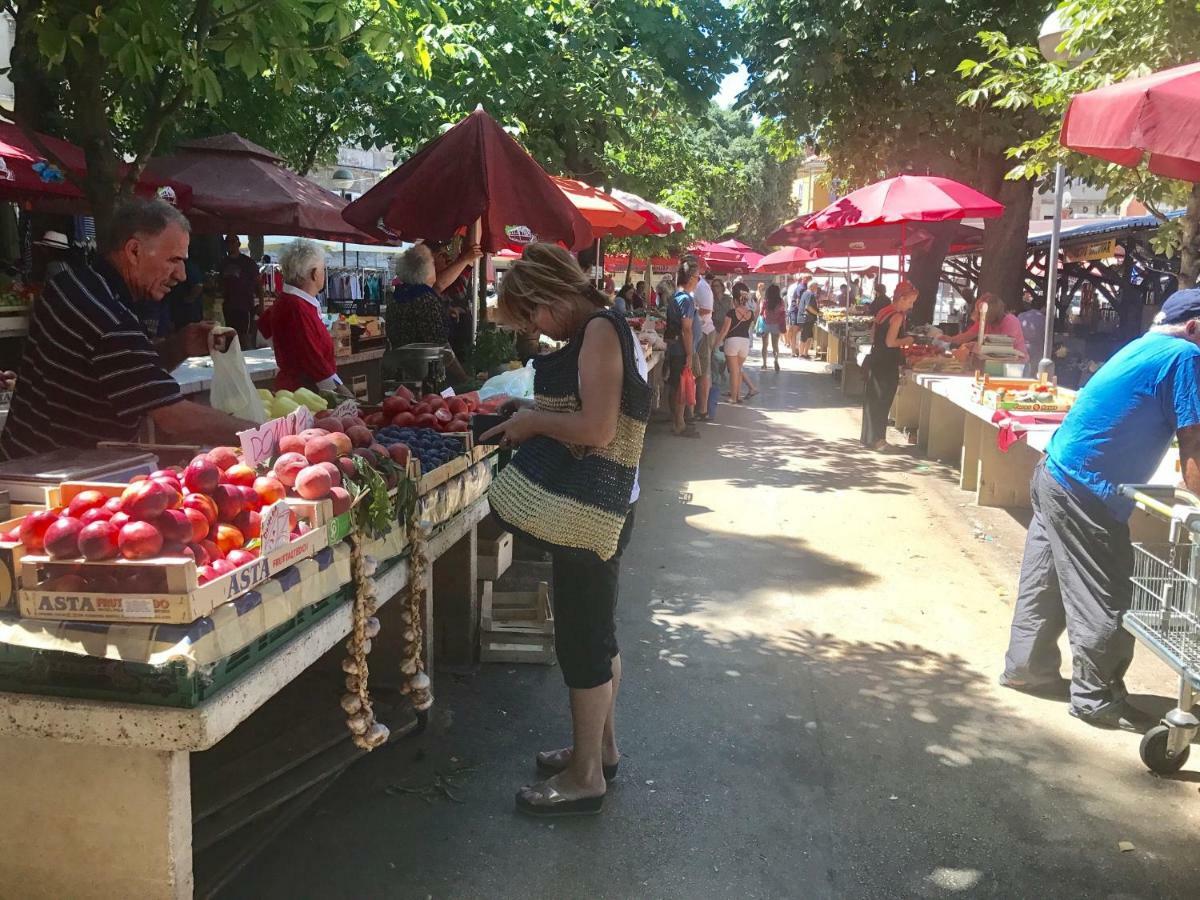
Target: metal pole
x,y
1046,366
476,236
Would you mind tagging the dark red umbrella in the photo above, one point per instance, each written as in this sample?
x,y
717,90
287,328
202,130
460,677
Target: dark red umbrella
x,y
785,261
1158,116
33,179
875,240
241,187
473,172
718,258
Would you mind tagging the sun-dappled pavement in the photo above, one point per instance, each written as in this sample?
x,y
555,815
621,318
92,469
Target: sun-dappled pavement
x,y
811,636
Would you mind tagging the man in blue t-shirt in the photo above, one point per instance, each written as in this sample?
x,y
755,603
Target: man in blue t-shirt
x,y
1078,558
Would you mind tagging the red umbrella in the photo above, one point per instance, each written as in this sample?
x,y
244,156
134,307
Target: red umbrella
x,y
750,256
607,215
905,198
1157,115
717,258
35,181
875,240
473,172
659,218
785,261
239,186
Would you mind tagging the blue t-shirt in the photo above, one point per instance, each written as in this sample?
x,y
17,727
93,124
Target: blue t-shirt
x,y
1124,418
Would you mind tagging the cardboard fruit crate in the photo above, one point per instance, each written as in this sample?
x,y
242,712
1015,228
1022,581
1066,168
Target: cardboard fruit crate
x,y
516,627
162,590
495,550
10,566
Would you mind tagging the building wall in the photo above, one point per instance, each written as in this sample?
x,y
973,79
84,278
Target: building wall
x,y
810,190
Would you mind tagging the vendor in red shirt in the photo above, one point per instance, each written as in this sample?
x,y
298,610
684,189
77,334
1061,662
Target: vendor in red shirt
x,y
303,345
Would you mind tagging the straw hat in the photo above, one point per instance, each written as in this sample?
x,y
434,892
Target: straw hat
x,y
55,240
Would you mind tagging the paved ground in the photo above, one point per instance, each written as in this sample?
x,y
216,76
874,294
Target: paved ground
x,y
811,637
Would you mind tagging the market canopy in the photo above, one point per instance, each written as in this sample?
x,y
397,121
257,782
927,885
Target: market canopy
x,y
785,261
35,181
1157,116
473,172
659,219
238,186
607,215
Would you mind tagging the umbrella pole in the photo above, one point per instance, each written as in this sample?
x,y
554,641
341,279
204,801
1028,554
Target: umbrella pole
x,y
476,279
1046,365
597,267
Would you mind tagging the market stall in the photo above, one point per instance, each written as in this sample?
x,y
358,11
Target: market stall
x,y
128,647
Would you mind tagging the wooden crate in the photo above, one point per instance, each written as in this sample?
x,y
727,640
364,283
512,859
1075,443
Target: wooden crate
x,y
495,550
516,627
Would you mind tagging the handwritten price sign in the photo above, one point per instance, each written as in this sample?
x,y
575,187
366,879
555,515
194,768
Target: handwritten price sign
x,y
261,443
274,526
346,408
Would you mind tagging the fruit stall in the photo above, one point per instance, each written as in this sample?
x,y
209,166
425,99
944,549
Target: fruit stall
x,y
157,611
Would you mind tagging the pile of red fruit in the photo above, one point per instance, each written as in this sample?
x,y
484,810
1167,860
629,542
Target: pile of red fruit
x,y
208,512
443,414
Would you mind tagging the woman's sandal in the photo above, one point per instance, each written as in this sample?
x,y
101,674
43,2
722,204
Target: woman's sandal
x,y
543,799
552,761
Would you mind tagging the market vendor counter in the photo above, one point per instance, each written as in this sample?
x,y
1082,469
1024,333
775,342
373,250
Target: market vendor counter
x,y
97,796
951,427
359,370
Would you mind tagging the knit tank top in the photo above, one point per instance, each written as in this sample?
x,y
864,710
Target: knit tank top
x,y
576,497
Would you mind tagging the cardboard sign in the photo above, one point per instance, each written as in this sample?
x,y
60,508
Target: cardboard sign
x,y
274,526
346,408
259,444
448,393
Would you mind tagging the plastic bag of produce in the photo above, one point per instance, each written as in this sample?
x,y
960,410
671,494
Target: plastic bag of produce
x,y
232,390
516,383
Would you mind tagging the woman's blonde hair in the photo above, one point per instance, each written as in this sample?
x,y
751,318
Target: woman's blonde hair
x,y
545,275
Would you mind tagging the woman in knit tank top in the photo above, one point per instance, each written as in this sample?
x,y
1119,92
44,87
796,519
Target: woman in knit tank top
x,y
570,487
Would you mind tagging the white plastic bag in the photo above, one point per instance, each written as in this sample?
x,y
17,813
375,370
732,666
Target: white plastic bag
x,y
232,390
516,383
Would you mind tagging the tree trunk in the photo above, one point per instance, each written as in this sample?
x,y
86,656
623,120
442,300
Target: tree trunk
x,y
1005,242
925,273
34,96
1189,256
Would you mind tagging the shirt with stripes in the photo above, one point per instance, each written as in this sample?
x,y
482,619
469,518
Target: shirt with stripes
x,y
89,373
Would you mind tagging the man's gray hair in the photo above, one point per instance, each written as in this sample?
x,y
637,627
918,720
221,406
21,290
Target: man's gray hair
x,y
138,216
299,258
415,265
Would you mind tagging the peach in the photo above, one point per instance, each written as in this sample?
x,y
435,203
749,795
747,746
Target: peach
x,y
335,474
199,554
222,566
146,500
228,498
205,573
223,457
249,524
199,523
291,443
33,529
229,538
313,483
309,433
352,422
113,504
203,504
96,514
139,540
320,449
176,526
62,538
341,500
360,435
119,520
98,540
346,464
288,466
343,443
213,551
269,489
380,451
250,498
83,501
332,424
399,454
240,474
201,475
239,557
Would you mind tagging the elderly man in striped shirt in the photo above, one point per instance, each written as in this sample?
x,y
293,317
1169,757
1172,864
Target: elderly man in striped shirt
x,y
89,372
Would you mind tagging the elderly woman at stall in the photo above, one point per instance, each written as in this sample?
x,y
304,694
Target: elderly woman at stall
x,y
571,488
417,314
293,323
999,321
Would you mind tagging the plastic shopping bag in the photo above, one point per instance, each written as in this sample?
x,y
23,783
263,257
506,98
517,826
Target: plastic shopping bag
x,y
232,390
760,327
516,383
687,387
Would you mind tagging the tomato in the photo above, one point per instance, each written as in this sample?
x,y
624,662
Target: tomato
x,y
426,420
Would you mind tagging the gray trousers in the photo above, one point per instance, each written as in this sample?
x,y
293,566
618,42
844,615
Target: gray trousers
x,y
1074,576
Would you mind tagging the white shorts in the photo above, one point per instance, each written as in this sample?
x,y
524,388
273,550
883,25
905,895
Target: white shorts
x,y
737,346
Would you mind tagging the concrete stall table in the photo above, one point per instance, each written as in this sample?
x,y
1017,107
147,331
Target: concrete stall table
x,y
195,374
821,337
367,364
97,795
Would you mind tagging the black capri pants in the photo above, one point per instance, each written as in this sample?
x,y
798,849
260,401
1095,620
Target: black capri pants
x,y
585,603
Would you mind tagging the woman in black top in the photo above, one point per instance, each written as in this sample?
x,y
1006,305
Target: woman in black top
x,y
883,365
735,339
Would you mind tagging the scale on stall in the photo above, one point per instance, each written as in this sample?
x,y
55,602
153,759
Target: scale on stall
x,y
419,367
28,480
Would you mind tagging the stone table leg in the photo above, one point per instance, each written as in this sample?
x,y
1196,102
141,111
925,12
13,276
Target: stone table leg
x,y
968,478
926,409
1004,477
906,409
85,821
946,423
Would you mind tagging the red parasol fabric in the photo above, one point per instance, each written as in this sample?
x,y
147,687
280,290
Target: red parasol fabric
x,y
1156,116
474,171
659,219
717,258
750,256
241,187
620,263
876,240
607,215
30,178
785,261
905,198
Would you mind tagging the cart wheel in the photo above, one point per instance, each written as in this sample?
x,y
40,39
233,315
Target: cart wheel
x,y
1154,751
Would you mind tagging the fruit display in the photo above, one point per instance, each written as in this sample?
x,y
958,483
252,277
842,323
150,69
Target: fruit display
x,y
443,414
8,380
1022,394
278,404
428,446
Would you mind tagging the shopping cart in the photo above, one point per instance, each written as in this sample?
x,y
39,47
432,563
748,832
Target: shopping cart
x,y
1165,615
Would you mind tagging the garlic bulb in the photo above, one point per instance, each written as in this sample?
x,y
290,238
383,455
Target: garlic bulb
x,y
351,704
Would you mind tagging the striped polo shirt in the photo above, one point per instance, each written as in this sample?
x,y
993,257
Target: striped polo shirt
x,y
89,373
